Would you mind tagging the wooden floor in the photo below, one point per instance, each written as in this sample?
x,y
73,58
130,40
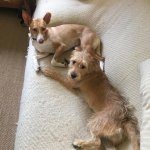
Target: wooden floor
x,y
13,46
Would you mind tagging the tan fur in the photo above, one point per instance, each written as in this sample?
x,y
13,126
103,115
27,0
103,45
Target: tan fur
x,y
61,38
113,117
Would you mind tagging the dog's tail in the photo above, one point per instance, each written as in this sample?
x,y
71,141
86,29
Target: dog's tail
x,y
133,134
107,144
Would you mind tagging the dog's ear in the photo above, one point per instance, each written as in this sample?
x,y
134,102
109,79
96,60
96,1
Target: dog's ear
x,y
26,17
99,58
47,18
95,55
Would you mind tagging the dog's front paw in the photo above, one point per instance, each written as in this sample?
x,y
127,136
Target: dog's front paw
x,y
49,73
36,65
58,64
77,144
37,68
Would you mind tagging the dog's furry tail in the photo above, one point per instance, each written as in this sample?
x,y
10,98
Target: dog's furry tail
x,y
107,145
133,134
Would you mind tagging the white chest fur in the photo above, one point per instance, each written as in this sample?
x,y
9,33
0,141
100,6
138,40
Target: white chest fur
x,y
44,47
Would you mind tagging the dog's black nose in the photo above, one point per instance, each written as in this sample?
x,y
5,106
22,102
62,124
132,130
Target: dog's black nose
x,y
41,41
73,75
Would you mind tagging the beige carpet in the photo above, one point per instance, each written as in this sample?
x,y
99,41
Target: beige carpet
x,y
13,45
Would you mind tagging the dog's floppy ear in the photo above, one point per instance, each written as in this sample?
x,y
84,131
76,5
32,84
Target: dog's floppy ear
x,y
26,17
47,17
95,55
99,58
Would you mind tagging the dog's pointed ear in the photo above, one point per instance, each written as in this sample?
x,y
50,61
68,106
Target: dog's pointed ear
x,y
26,17
47,18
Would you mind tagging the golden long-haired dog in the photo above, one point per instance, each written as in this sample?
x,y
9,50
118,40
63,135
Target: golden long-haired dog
x,y
113,118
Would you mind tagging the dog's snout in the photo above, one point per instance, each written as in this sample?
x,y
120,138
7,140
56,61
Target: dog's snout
x,y
73,75
41,41
40,38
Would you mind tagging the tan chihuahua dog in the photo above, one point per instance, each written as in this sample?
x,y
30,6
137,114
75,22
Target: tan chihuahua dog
x,y
113,118
59,39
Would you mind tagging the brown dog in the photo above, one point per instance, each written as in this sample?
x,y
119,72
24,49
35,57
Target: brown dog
x,y
113,119
59,39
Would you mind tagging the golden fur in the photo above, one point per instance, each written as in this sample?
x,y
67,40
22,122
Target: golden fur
x,y
113,117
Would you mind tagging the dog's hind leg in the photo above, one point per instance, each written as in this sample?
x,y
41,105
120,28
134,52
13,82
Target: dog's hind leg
x,y
55,60
58,64
94,142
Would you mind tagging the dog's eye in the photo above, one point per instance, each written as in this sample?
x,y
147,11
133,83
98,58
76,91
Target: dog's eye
x,y
73,62
82,66
43,29
34,29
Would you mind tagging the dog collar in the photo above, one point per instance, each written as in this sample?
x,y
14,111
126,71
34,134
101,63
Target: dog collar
x,y
34,39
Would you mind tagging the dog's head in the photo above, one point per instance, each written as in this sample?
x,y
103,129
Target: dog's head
x,y
82,63
37,27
